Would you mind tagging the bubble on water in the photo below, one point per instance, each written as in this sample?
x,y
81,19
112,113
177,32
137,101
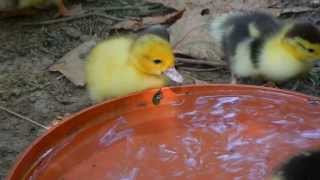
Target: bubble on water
x,y
186,114
233,143
226,100
217,111
232,166
45,154
238,178
191,162
204,100
268,106
295,140
230,157
166,154
218,127
258,170
294,118
199,124
273,100
177,173
230,115
178,103
280,122
311,134
141,153
192,145
267,138
131,175
114,135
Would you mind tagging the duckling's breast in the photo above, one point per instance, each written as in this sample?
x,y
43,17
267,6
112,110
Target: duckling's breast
x,y
242,63
132,80
279,64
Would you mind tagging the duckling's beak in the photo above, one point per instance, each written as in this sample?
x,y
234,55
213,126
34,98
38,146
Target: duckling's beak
x,y
174,75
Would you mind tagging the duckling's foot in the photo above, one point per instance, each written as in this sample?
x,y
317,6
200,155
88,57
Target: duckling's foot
x,y
233,79
295,86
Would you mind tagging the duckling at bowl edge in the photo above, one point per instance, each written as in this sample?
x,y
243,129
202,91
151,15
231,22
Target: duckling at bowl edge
x,y
125,64
257,45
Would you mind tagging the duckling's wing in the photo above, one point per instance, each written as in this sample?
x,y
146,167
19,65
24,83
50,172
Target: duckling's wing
x,y
104,64
231,29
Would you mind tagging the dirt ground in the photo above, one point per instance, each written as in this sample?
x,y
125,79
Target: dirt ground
x,y
30,89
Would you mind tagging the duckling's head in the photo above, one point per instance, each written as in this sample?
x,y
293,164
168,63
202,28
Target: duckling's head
x,y
303,41
153,55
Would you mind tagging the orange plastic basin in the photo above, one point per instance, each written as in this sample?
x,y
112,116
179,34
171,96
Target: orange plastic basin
x,y
192,132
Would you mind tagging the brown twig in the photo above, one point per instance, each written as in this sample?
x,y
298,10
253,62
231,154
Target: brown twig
x,y
23,117
116,8
71,18
199,69
201,62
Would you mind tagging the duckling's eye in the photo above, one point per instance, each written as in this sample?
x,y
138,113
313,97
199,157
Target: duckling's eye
x,y
157,61
310,50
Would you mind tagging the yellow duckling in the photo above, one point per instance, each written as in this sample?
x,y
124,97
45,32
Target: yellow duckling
x,y
257,45
16,7
122,65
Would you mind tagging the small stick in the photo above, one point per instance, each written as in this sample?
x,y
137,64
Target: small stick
x,y
202,62
199,69
24,118
116,8
71,18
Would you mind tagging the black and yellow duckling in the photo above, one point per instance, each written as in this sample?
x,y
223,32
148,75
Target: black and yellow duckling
x,y
125,64
304,166
257,45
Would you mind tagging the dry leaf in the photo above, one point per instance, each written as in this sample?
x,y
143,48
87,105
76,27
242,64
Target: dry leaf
x,y
190,34
148,21
71,65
